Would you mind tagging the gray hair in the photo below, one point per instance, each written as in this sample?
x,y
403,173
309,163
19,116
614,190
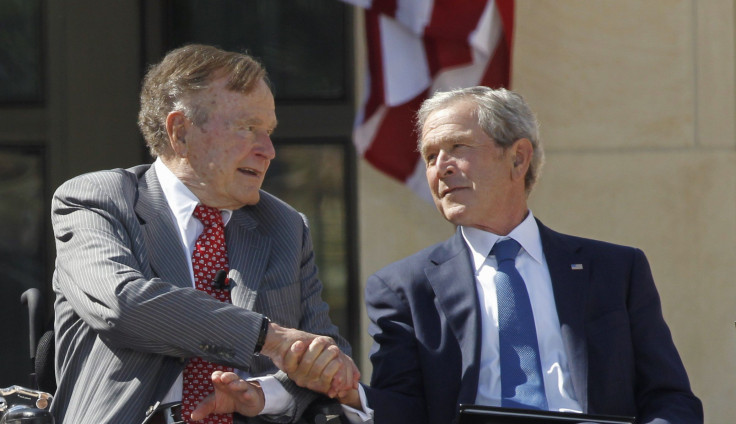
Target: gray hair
x,y
173,84
502,114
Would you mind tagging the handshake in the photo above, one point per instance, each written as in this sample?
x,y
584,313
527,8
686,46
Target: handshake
x,y
311,361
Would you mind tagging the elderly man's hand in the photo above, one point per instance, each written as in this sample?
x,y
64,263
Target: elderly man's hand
x,y
311,361
322,367
279,341
232,394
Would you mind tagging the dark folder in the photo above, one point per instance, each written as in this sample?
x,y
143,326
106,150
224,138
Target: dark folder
x,y
477,414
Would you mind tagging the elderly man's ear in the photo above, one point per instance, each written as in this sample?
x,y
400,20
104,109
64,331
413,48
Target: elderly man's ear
x,y
177,124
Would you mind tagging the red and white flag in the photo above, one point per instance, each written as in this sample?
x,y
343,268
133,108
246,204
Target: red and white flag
x,y
417,47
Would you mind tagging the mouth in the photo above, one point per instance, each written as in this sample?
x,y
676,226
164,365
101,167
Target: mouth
x,y
250,172
449,190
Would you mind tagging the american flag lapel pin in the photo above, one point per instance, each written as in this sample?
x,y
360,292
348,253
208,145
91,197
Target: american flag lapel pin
x,y
576,267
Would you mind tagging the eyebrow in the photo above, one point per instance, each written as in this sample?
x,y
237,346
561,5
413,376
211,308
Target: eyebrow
x,y
252,120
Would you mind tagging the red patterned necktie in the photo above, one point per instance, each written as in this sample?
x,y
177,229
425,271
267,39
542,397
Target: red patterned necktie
x,y
209,257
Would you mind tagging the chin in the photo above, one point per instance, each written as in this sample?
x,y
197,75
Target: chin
x,y
246,199
252,200
453,213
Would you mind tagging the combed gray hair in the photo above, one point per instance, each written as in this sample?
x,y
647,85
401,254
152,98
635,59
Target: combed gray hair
x,y
173,84
502,114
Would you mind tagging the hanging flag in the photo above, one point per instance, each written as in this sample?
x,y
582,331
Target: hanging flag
x,y
417,47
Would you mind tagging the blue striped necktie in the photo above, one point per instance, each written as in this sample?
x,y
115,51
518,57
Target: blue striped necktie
x,y
522,385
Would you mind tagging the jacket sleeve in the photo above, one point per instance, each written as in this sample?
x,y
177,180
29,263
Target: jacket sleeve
x,y
663,393
104,278
397,386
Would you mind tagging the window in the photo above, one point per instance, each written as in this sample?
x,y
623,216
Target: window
x,y
301,42
310,176
20,52
23,215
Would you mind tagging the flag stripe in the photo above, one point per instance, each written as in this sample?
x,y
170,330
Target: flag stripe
x,y
375,63
393,150
405,69
454,20
386,7
498,72
506,10
446,54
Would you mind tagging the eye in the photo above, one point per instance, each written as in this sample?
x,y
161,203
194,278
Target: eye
x,y
429,158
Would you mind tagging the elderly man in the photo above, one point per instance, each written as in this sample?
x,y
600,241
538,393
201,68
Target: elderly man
x,y
168,272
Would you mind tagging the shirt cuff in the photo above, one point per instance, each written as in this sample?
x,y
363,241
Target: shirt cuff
x,y
277,400
356,416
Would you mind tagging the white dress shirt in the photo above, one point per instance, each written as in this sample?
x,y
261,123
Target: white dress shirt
x,y
532,265
182,203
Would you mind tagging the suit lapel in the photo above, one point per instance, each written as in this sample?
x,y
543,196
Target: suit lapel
x,y
453,282
160,234
569,271
248,251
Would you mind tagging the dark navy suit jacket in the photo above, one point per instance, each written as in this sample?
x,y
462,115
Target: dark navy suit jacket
x,y
425,323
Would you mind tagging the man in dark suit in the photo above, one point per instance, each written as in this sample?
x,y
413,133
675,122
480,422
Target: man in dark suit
x,y
601,342
132,246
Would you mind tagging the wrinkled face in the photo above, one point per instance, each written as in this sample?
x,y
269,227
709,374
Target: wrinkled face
x,y
470,177
225,159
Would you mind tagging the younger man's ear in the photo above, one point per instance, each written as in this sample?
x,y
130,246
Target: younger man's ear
x,y
522,152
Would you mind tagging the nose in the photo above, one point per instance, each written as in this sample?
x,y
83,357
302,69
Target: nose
x,y
265,146
445,164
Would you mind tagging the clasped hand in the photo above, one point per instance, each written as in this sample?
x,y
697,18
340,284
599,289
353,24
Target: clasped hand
x,y
311,361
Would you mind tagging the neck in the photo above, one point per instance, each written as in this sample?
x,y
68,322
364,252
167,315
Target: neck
x,y
181,170
503,225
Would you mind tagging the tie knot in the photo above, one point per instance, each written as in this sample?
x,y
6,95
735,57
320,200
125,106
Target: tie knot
x,y
208,215
506,249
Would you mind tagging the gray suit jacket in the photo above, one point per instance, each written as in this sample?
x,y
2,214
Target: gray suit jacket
x,y
126,315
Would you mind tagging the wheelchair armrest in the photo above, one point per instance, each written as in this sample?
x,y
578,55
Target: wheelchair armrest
x,y
323,410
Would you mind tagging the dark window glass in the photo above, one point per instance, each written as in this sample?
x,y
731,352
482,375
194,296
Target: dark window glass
x,y
20,52
301,42
22,217
311,178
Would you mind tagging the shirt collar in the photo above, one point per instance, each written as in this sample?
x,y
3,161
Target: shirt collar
x,y
181,200
480,242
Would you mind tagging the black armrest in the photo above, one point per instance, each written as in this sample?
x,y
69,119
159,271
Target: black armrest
x,y
323,410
